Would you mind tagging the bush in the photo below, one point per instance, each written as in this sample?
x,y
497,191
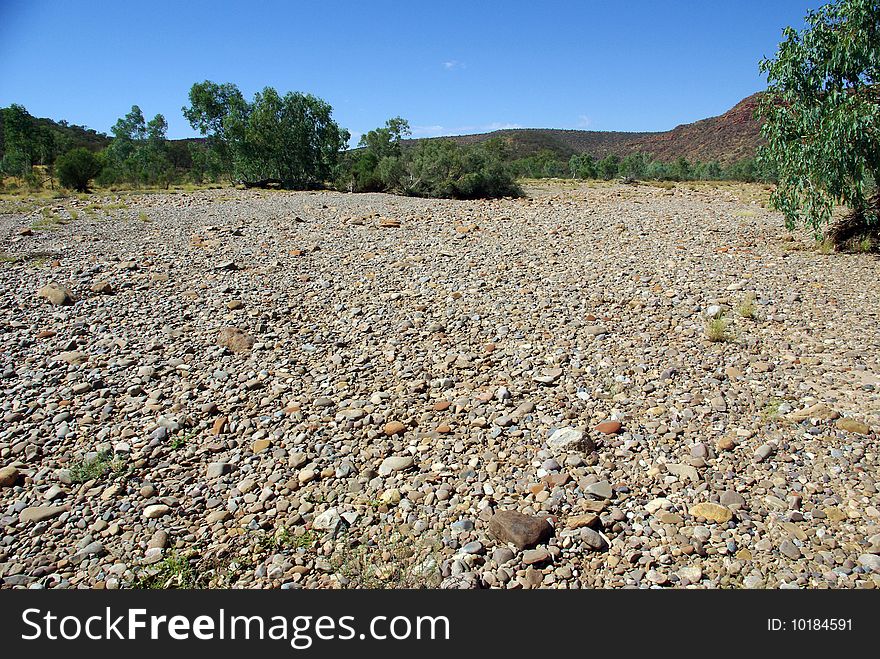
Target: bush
x,y
440,168
608,166
77,168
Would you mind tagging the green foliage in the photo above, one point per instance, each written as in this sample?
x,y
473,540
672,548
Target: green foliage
x,y
138,154
544,164
634,166
657,171
97,467
433,168
173,572
607,168
583,166
716,330
680,170
822,112
747,308
24,142
440,168
77,168
292,138
378,164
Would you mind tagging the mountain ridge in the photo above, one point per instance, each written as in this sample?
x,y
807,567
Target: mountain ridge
x,y
731,136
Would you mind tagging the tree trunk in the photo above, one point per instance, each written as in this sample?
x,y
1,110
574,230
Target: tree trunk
x,y
859,230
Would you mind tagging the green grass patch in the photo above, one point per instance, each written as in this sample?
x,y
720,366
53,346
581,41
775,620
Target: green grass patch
x,y
102,464
717,331
173,572
747,307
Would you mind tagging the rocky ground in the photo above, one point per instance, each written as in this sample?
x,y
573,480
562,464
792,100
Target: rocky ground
x,y
319,390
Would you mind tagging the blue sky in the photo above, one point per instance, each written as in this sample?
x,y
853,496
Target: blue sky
x,y
448,67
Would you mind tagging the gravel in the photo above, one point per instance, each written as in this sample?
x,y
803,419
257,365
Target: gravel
x,y
321,390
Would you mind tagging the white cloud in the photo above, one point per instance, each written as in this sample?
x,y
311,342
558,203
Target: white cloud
x,y
499,126
438,130
427,131
449,65
584,121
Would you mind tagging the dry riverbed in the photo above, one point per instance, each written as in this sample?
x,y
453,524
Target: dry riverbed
x,y
320,390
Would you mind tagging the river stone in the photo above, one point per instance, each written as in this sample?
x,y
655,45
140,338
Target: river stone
x,y
156,510
683,472
235,339
326,521
853,426
602,489
56,294
712,512
609,427
870,562
523,531
788,548
92,549
534,556
40,513
393,428
569,439
8,476
395,463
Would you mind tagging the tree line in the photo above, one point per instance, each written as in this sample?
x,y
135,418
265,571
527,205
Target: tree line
x,y
640,166
293,141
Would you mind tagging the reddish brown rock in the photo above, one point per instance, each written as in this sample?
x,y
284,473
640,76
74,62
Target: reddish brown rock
x,y
235,339
394,428
609,427
219,425
524,531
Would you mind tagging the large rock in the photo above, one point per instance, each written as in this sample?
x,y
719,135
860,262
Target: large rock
x,y
817,411
609,427
235,339
72,357
712,512
851,425
684,472
326,521
40,513
8,476
524,531
156,511
870,562
101,288
393,428
395,463
56,294
569,439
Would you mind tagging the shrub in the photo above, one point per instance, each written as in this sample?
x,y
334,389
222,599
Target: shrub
x,y
608,166
77,168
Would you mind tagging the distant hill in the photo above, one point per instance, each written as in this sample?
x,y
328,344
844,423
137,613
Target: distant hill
x,y
75,135
61,134
727,138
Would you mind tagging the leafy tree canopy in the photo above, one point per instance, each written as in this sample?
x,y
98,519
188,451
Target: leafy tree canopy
x,y
292,138
822,113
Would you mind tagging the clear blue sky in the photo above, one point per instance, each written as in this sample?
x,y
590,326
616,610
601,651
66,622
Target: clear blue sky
x,y
448,67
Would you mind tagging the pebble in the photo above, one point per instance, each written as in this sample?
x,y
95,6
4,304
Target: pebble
x,y
156,510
